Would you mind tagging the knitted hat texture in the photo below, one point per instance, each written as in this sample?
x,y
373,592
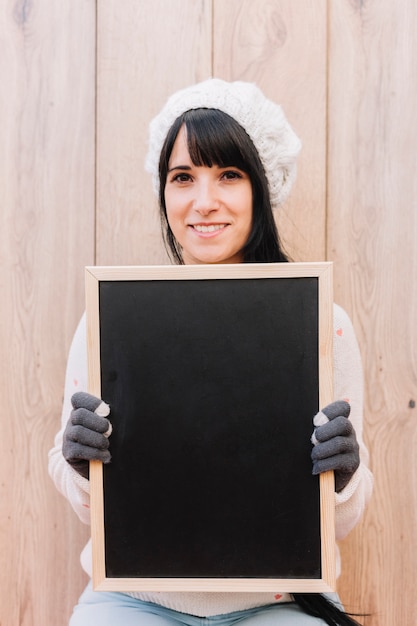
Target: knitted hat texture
x,y
263,120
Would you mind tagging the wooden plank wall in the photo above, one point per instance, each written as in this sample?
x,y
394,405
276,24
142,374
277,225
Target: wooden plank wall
x,y
80,82
372,234
47,165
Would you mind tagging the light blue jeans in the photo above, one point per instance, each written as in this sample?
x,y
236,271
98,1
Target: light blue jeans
x,y
101,608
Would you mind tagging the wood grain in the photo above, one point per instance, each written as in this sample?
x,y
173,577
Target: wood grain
x,y
47,195
142,59
282,47
47,203
372,233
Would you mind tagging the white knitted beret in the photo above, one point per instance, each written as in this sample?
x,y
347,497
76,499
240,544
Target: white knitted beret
x,y
263,120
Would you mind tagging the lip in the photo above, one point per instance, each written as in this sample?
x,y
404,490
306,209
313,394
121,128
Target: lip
x,y
208,229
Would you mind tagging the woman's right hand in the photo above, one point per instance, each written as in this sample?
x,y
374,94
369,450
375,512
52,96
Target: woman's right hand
x,y
86,434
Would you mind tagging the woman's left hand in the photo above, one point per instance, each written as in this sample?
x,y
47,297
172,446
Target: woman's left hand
x,y
335,444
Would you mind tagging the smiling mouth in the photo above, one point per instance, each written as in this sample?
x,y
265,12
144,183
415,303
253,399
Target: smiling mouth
x,y
200,228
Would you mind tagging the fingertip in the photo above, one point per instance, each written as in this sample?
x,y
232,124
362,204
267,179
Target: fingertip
x,y
344,408
76,399
106,458
320,418
84,400
339,408
314,439
103,409
315,455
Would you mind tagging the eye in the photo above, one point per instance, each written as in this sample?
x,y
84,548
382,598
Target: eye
x,y
181,177
232,175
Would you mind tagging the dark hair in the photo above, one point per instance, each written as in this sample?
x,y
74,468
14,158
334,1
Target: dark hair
x,y
215,138
318,605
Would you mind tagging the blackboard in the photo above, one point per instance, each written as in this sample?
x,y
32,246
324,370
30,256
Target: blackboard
x,y
213,375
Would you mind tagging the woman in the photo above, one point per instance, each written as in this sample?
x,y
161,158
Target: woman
x,y
222,157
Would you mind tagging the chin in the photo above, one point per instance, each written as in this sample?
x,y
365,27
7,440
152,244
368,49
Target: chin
x,y
206,257
210,260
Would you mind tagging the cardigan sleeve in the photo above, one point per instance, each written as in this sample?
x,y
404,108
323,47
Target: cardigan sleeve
x,y
68,482
348,385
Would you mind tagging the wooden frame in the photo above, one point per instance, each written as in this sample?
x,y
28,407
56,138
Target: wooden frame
x,y
325,580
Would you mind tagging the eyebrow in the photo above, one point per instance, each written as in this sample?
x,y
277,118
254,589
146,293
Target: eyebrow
x,y
179,167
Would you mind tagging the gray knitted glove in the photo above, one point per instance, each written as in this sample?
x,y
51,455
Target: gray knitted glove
x,y
335,444
86,434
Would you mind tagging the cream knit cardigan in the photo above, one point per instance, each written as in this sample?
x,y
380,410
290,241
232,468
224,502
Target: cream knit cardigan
x,y
350,502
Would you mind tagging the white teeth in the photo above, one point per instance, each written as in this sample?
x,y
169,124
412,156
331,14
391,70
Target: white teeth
x,y
208,229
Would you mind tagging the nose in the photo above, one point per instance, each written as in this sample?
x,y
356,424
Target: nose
x,y
206,199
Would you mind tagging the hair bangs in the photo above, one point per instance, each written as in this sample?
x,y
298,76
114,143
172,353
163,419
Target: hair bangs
x,y
215,138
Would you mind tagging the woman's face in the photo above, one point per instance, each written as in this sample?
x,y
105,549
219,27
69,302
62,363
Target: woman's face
x,y
209,209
